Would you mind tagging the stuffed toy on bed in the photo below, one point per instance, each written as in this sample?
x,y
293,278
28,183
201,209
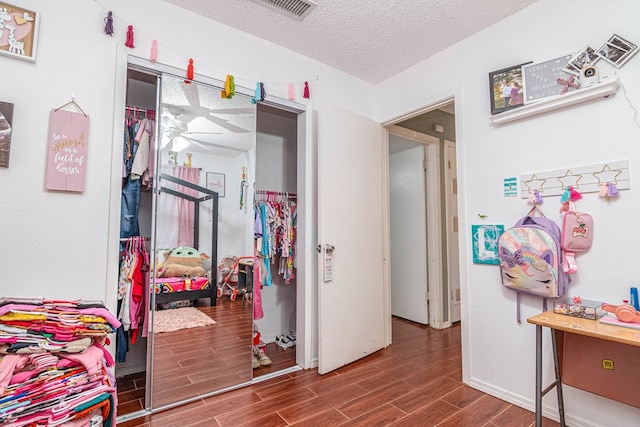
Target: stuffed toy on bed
x,y
184,261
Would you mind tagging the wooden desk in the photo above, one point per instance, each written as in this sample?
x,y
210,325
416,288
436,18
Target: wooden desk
x,y
559,324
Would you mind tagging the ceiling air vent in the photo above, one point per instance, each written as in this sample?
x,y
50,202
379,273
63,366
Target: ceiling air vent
x,y
297,9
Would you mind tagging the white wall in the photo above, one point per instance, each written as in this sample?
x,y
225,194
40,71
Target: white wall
x,y
500,354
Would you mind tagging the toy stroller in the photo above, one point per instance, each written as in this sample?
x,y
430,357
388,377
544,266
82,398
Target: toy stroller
x,y
228,276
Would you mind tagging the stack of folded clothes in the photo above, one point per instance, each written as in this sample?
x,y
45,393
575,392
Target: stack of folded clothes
x,y
54,368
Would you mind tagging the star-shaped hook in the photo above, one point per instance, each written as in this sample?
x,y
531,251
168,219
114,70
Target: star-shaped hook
x,y
535,183
571,178
607,175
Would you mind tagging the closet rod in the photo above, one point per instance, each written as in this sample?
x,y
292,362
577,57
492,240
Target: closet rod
x,y
145,111
276,193
124,239
134,108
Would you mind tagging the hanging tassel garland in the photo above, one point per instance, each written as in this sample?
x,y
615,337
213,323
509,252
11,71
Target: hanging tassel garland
x,y
153,55
190,72
292,92
256,97
129,42
229,87
263,94
566,195
306,90
108,24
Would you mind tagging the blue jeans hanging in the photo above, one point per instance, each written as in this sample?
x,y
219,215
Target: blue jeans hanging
x,y
129,208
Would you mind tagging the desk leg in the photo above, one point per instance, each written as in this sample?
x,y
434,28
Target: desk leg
x,y
556,363
539,376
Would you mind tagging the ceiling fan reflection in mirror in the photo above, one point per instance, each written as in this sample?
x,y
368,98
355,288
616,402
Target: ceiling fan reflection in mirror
x,y
196,113
177,136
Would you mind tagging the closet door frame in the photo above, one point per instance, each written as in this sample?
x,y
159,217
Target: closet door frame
x,y
304,298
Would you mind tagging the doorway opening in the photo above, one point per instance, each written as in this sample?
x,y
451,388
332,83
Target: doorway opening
x,y
425,277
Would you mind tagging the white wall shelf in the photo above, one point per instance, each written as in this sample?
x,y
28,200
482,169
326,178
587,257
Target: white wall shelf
x,y
601,90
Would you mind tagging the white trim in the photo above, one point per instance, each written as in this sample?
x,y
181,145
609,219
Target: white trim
x,y
386,239
550,412
434,240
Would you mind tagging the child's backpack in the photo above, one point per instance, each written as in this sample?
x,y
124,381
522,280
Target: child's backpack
x,y
577,235
531,258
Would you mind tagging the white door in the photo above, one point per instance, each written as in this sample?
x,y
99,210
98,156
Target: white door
x,y
351,312
408,230
453,257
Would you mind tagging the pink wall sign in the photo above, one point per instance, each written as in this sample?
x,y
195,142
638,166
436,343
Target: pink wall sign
x,y
67,151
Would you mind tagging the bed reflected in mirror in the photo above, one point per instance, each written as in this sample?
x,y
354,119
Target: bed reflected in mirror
x,y
202,329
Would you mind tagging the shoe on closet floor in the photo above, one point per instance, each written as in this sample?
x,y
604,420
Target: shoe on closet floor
x,y
286,341
255,363
262,358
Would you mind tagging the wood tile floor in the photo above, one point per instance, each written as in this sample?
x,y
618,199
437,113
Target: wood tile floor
x,y
414,382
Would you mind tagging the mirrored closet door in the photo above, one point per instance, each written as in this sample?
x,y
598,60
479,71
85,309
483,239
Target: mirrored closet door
x,y
201,342
221,313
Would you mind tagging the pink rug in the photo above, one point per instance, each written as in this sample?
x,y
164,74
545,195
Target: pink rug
x,y
179,318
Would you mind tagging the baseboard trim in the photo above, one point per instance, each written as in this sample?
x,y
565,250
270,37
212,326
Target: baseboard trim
x,y
530,405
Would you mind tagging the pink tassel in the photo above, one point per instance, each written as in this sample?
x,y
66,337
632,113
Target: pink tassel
x,y
292,92
575,194
153,56
604,190
306,90
129,42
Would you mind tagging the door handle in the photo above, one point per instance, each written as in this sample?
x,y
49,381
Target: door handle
x,y
328,249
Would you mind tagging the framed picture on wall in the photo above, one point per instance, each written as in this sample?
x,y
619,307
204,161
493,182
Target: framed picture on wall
x,y
485,243
505,88
215,182
18,32
6,121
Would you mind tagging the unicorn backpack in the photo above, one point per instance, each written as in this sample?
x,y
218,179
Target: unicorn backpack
x,y
531,258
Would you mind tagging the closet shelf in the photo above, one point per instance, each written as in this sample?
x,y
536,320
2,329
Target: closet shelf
x,y
601,90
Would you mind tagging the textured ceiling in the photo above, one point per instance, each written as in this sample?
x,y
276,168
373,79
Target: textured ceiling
x,y
369,40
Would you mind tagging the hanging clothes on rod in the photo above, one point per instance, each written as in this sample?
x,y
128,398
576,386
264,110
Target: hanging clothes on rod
x,y
133,291
138,158
275,223
141,123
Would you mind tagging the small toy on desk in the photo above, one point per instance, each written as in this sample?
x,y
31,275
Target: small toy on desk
x,y
577,307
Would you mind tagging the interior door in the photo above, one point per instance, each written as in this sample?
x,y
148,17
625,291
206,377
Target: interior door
x,y
408,229
351,294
